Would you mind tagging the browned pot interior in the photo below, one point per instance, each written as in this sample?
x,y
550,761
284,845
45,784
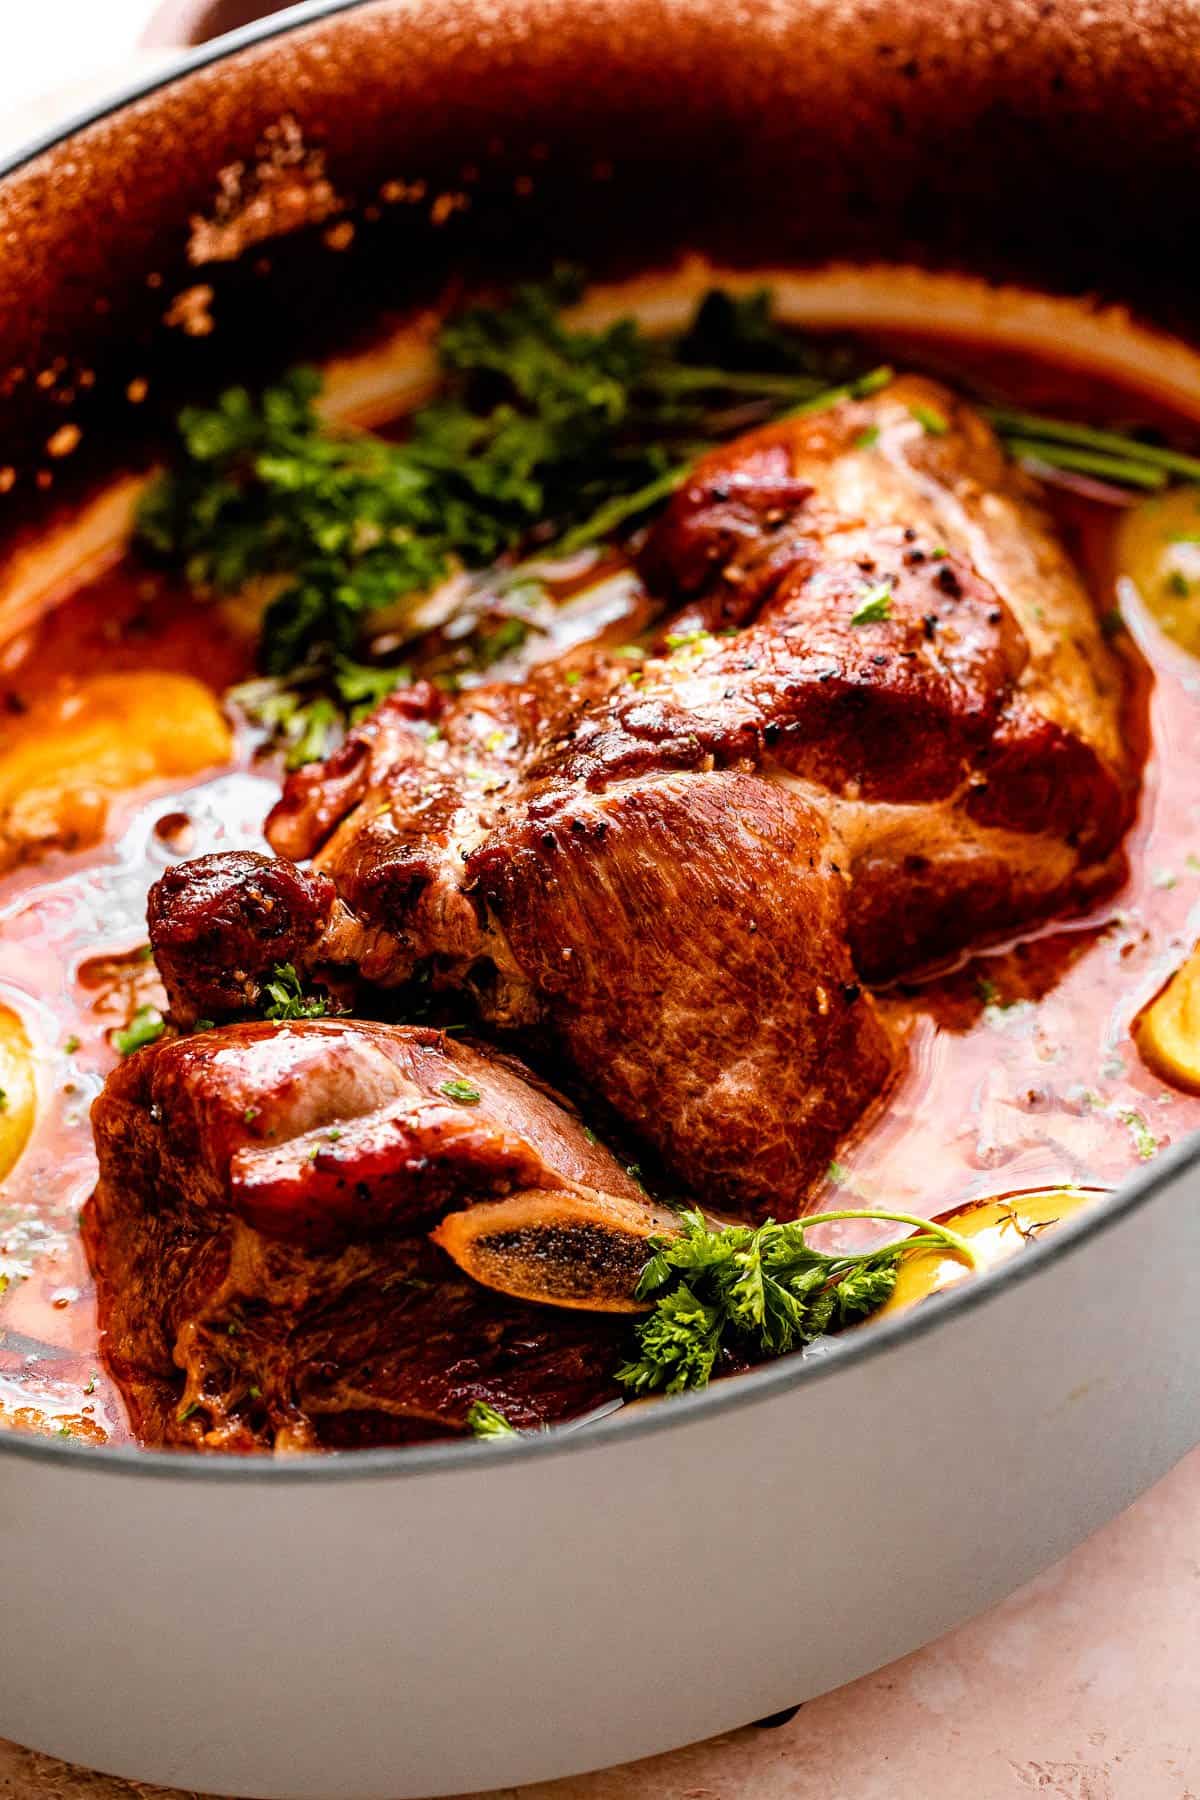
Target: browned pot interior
x,y
363,161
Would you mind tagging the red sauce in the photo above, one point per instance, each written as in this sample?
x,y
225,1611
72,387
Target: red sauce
x,y
1021,1072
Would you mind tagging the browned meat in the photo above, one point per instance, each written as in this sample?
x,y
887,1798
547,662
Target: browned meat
x,y
683,938
217,917
258,1236
904,738
973,782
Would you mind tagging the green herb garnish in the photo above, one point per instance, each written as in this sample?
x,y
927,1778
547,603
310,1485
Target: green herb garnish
x,y
71,1045
738,332
538,431
306,711
688,640
930,420
1119,471
1144,1141
146,1027
489,1422
285,997
874,607
535,423
619,511
1051,441
462,1091
759,1292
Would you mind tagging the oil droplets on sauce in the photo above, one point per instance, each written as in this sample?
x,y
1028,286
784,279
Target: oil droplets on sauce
x,y
1021,1072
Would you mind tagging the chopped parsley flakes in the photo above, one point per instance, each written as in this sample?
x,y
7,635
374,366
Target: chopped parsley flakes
x,y
930,420
875,606
489,1422
285,997
146,1027
462,1091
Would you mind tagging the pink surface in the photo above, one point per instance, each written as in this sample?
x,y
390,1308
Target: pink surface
x,y
1085,1685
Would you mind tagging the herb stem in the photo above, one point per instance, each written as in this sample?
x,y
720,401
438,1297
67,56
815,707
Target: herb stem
x,y
684,378
1027,427
928,1228
614,512
1123,470
858,389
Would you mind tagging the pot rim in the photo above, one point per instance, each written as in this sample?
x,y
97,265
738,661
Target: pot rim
x,y
676,1411
181,63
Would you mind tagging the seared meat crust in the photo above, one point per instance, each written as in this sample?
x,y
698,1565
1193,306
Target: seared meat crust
x,y
258,1237
218,922
711,1003
908,742
323,1129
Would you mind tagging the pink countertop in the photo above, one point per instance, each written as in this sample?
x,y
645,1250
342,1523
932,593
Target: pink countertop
x,y
1085,1685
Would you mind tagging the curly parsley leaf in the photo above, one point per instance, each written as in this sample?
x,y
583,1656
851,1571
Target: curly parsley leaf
x,y
875,606
285,998
146,1027
488,1421
540,431
757,1292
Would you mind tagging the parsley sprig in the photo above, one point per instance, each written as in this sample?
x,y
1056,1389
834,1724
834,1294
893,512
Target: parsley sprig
x,y
487,1421
541,436
305,712
759,1292
145,1027
284,996
535,423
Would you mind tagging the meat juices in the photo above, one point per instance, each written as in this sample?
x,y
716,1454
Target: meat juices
x,y
883,726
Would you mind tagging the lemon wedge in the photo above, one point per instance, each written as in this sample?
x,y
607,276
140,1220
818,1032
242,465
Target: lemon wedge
x,y
1167,1032
997,1229
18,1089
1158,549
